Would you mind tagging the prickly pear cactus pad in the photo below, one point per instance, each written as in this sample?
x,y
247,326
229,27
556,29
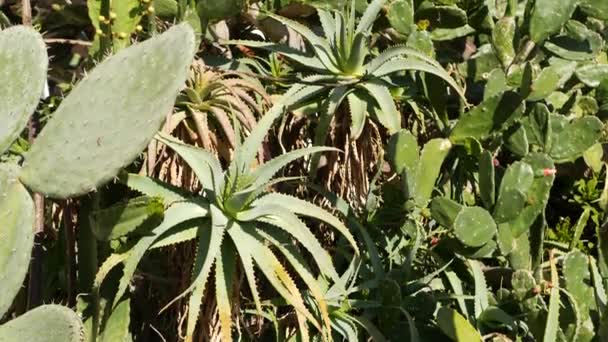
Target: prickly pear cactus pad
x,y
47,323
23,65
16,234
109,118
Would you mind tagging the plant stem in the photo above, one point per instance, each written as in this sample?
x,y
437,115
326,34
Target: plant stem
x,y
34,295
26,12
70,251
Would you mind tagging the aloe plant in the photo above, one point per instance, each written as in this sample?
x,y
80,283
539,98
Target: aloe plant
x,y
346,70
243,216
215,98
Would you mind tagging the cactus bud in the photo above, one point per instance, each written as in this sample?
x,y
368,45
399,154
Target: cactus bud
x,y
150,9
434,241
549,172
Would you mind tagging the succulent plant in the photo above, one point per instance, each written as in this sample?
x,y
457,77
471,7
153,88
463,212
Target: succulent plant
x,y
17,215
95,96
63,170
47,323
240,208
116,21
23,59
215,98
344,70
418,171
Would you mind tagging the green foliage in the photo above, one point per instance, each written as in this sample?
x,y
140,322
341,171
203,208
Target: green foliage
x,y
455,326
418,172
341,58
448,215
243,215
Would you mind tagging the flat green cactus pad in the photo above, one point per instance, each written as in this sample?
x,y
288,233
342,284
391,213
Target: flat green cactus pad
x,y
110,117
474,226
16,235
23,65
47,323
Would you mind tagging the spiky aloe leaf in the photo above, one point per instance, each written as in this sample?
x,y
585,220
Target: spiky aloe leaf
x,y
263,173
481,288
297,56
335,98
23,65
321,47
176,214
209,247
47,323
181,233
581,223
388,115
83,145
296,95
281,217
304,208
251,246
116,328
415,64
16,235
205,165
358,112
225,269
124,218
369,16
152,187
552,326
282,242
456,285
455,326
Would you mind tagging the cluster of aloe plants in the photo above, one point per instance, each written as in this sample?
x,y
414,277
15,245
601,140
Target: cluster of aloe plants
x,y
183,176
